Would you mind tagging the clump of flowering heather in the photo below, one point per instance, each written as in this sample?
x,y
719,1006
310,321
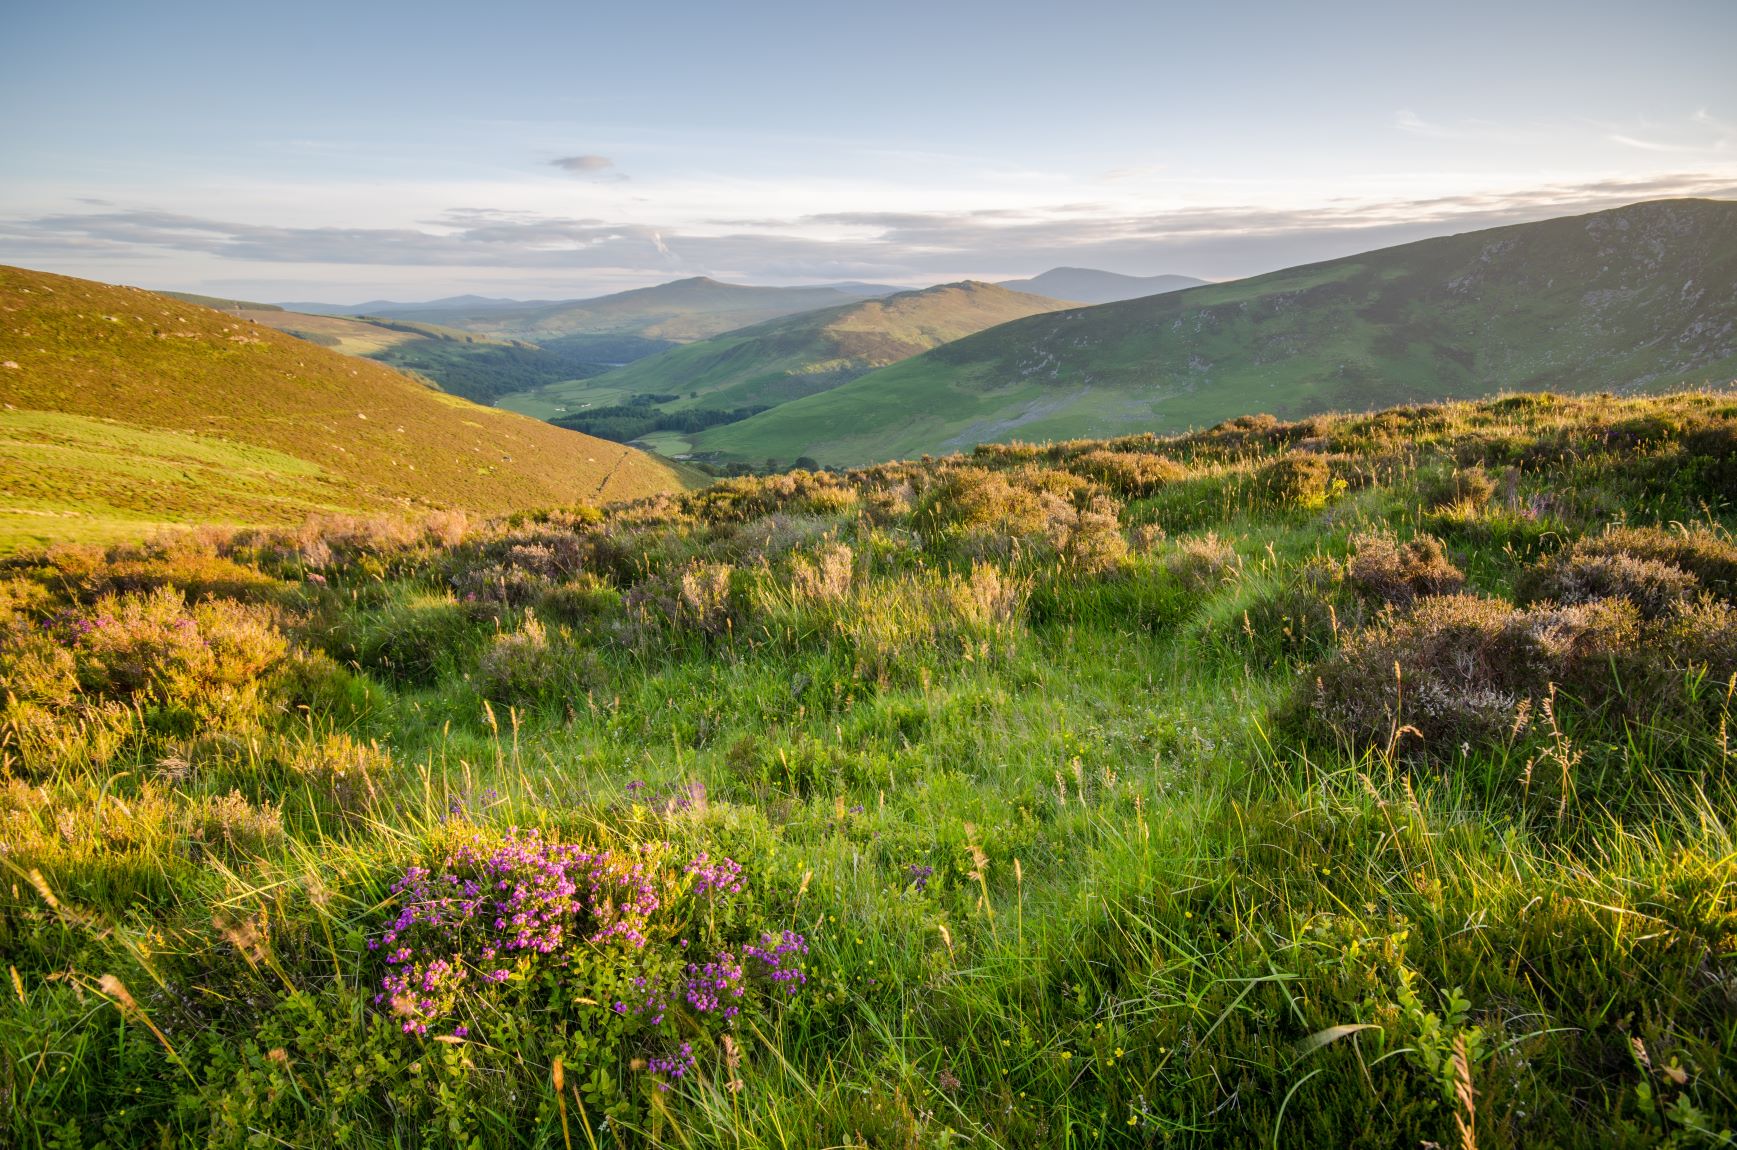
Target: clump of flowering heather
x,y
646,938
780,958
666,1072
723,876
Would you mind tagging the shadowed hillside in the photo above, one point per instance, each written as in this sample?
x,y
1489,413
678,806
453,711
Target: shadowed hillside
x,y
125,410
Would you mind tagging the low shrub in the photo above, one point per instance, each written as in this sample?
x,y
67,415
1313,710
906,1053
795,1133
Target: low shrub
x,y
827,578
630,957
1581,575
345,777
1454,670
1130,474
1471,486
1298,479
1383,570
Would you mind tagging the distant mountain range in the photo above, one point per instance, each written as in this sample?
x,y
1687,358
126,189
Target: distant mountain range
x,y
1641,298
1086,285
387,307
125,410
674,312
776,361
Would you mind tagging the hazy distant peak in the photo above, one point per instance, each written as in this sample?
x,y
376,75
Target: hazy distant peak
x,y
1089,285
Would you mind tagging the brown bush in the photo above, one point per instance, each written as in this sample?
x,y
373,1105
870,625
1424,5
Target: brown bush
x,y
1129,474
827,577
1088,540
972,497
1583,575
1464,485
1456,668
1710,556
1384,570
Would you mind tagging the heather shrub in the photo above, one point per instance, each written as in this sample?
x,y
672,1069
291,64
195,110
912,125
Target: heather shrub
x,y
1709,555
1130,474
500,583
526,665
827,578
1298,479
1471,486
1583,575
699,598
972,497
189,562
1455,670
1087,537
773,538
795,493
888,505
1383,570
631,957
231,826
172,664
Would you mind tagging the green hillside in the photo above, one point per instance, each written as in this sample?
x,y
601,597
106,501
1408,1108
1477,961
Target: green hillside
x,y
785,359
125,410
1642,298
680,311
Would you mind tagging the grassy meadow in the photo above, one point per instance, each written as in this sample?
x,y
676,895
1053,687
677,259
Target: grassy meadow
x,y
1357,781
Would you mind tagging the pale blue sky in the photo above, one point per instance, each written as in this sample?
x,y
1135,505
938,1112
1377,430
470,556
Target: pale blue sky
x,y
344,151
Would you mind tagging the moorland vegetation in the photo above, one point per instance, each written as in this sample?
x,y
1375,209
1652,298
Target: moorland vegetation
x,y
1357,781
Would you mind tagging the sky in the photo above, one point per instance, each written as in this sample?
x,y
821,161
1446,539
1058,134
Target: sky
x,y
341,152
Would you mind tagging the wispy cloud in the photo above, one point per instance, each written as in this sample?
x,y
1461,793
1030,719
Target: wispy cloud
x,y
479,243
585,165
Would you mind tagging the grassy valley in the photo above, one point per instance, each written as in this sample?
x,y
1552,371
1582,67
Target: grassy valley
x,y
758,367
1636,299
125,411
1357,781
